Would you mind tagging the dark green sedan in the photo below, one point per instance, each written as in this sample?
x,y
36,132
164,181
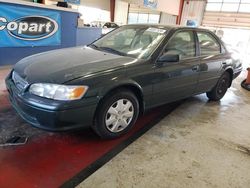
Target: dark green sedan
x,y
107,84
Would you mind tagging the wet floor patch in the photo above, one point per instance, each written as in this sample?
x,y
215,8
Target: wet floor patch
x,y
235,146
11,125
244,149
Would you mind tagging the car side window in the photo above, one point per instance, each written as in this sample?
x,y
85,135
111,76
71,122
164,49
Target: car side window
x,y
182,44
208,44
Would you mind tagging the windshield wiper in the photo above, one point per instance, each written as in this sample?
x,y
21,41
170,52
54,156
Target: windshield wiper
x,y
111,50
93,46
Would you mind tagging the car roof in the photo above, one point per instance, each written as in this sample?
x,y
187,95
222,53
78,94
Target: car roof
x,y
168,27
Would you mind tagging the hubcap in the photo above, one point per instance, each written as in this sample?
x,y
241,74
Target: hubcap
x,y
222,87
119,115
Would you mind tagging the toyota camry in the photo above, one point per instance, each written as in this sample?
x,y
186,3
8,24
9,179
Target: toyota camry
x,y
108,83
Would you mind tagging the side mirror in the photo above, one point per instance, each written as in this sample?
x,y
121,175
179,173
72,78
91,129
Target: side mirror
x,y
169,58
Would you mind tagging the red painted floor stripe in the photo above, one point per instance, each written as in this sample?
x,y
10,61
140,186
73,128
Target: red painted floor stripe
x,y
4,102
49,161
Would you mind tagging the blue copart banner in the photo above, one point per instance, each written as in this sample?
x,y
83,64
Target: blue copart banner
x,y
29,26
150,3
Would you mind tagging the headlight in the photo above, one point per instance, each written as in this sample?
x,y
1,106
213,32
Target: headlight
x,y
58,92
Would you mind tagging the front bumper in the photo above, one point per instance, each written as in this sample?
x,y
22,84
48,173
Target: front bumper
x,y
49,114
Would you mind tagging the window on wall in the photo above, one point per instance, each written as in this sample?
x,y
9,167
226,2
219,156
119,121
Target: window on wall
x,y
244,8
228,5
153,18
143,18
213,6
132,18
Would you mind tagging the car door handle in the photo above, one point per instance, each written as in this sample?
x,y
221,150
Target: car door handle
x,y
224,63
195,68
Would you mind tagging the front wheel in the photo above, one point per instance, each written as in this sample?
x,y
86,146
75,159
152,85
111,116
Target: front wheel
x,y
220,88
116,114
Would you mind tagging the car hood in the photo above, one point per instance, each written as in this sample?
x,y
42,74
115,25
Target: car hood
x,y
60,66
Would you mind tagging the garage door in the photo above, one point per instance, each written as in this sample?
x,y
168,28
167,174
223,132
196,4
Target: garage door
x,y
227,13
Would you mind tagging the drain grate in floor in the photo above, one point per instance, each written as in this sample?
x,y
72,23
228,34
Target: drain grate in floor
x,y
15,141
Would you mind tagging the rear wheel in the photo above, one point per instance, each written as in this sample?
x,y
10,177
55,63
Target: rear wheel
x,y
116,114
220,88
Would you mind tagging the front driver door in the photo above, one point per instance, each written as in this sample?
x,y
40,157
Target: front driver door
x,y
177,80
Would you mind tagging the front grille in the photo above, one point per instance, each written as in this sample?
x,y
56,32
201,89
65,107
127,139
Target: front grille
x,y
20,83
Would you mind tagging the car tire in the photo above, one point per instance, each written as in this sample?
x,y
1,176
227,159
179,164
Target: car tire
x,y
220,88
116,114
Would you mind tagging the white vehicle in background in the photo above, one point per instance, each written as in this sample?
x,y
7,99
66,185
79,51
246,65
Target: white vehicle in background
x,y
108,26
97,24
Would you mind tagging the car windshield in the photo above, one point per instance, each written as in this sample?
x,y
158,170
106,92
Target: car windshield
x,y
133,41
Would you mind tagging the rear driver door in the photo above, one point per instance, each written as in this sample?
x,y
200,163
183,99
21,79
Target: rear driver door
x,y
211,58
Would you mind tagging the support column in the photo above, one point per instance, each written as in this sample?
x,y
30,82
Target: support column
x,y
112,10
178,20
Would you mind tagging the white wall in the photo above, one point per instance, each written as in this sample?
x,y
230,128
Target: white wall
x,y
121,12
169,6
101,4
91,10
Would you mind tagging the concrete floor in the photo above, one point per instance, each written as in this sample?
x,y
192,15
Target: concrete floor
x,y
200,144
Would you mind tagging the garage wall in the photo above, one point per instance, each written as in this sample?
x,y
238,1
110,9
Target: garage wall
x,y
121,12
122,8
167,19
193,10
103,4
231,20
227,14
167,6
141,14
133,8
